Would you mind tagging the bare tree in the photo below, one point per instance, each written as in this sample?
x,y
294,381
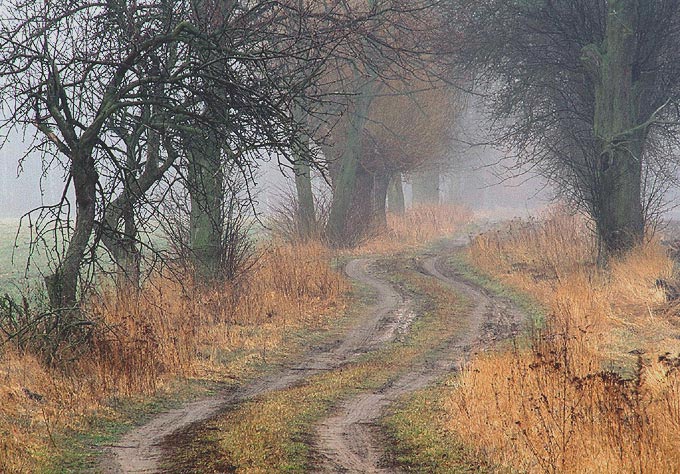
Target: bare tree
x,y
583,90
414,131
65,70
119,91
393,58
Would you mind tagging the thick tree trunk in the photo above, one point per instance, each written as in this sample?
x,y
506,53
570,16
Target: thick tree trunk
x,y
381,183
62,285
426,188
340,230
620,221
359,222
206,189
306,214
395,195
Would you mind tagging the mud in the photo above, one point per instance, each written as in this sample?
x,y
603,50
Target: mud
x,y
141,450
349,442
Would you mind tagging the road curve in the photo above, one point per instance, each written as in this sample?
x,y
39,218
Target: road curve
x,y
348,441
141,450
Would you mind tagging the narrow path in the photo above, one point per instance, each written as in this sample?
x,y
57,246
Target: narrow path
x,y
140,450
349,442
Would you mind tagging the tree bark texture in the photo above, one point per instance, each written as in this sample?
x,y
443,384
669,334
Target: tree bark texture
x,y
62,285
620,221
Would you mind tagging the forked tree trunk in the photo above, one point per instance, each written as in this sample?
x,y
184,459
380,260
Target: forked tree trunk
x,y
62,285
620,221
395,195
341,231
123,245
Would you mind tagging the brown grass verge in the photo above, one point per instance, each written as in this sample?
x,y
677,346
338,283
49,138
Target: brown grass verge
x,y
417,226
170,331
173,331
598,390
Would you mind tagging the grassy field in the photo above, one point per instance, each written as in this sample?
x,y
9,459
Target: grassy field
x,y
146,349
14,255
269,434
599,377
145,346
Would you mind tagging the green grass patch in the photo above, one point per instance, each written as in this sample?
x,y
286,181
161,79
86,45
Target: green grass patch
x,y
420,440
271,433
460,262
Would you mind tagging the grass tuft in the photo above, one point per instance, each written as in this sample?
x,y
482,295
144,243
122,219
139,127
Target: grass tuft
x,y
598,388
168,332
416,227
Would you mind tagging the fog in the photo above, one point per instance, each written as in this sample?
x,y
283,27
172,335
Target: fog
x,y
479,178
476,176
24,185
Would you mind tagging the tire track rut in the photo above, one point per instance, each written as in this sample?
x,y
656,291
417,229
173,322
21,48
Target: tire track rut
x,y
141,450
349,441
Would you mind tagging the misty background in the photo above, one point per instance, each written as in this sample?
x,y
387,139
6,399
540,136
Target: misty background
x,y
478,178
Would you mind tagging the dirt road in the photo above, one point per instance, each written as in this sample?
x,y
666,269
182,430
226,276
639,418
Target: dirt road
x,y
141,449
347,441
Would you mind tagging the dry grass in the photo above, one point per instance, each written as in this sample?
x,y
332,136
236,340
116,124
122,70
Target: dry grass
x,y
577,400
418,226
170,331
271,433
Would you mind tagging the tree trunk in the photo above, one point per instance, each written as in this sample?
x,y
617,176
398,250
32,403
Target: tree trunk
x,y
395,195
62,285
359,222
340,231
426,188
206,190
381,183
123,245
620,221
306,214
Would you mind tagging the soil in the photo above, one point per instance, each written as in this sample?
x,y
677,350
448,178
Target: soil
x,y
348,440
141,450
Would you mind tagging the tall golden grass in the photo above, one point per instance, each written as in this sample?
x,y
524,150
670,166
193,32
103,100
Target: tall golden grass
x,y
598,388
172,330
417,226
169,331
